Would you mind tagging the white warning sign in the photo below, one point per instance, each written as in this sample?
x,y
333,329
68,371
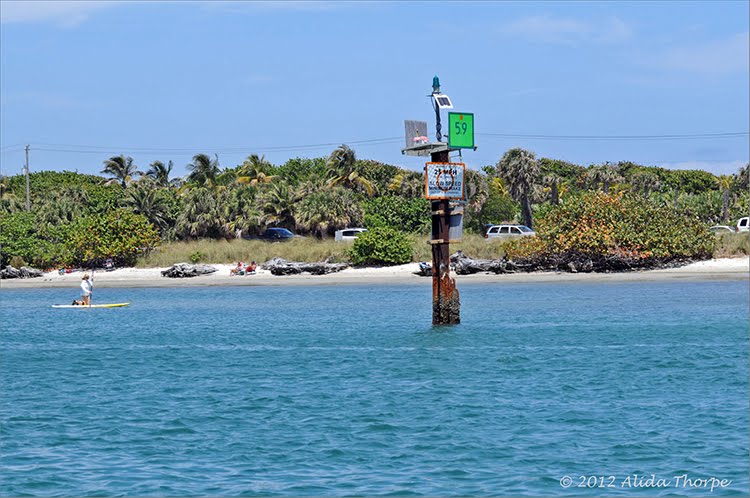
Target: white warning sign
x,y
444,180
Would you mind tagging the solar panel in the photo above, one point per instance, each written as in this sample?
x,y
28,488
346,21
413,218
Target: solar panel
x,y
443,101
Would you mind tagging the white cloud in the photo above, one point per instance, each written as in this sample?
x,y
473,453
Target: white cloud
x,y
715,167
567,31
728,55
234,7
62,13
72,13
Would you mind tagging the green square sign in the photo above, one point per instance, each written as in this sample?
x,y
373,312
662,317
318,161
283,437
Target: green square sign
x,y
461,130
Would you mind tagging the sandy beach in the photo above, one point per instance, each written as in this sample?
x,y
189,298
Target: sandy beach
x,y
716,269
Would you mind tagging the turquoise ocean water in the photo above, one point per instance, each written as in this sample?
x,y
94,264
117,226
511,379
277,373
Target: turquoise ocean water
x,y
348,390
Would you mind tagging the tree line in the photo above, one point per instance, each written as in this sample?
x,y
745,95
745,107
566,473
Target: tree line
x,y
316,196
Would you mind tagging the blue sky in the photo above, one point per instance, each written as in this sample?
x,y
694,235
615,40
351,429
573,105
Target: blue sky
x,y
82,81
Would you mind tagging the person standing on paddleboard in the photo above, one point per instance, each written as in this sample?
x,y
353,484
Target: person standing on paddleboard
x,y
87,287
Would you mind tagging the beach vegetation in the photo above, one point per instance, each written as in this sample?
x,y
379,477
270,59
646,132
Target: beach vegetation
x,y
314,197
121,168
20,236
612,231
160,174
381,246
119,234
520,171
408,214
225,251
730,245
344,169
204,171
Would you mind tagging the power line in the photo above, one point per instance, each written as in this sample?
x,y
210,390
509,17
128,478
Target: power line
x,y
99,149
698,136
4,147
77,148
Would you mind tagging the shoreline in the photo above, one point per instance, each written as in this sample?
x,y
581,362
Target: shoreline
x,y
715,269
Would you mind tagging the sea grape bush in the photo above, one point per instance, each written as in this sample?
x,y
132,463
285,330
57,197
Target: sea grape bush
x,y
119,234
19,236
381,246
398,212
89,240
613,232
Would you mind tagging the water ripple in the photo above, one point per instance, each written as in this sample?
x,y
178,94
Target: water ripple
x,y
322,393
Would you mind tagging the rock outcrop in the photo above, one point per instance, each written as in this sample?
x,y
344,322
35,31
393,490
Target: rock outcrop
x,y
187,270
464,265
280,266
23,272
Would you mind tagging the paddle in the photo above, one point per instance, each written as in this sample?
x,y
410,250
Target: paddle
x,y
91,291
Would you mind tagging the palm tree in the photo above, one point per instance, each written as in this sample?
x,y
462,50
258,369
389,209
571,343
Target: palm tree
x,y
160,173
605,175
122,168
150,203
408,183
64,205
645,182
204,170
342,166
9,202
742,178
519,169
277,202
725,183
552,181
255,170
327,210
201,215
240,213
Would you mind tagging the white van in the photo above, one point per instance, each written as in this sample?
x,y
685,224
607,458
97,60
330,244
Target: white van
x,y
348,234
742,225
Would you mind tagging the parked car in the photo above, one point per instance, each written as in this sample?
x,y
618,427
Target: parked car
x,y
274,235
720,229
743,225
496,232
348,234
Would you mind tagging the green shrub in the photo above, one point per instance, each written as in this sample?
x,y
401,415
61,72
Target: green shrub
x,y
398,212
730,245
615,231
196,257
17,262
381,246
21,237
119,234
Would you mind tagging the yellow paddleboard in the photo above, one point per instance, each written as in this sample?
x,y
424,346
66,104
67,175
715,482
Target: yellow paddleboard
x,y
83,306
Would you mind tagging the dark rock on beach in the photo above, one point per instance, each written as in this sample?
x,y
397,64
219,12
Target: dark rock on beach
x,y
187,270
280,266
464,265
23,272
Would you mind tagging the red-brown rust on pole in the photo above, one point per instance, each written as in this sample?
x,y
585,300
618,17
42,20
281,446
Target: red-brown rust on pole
x,y
446,305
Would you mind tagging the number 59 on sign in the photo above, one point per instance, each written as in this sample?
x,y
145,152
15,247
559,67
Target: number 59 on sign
x,y
461,130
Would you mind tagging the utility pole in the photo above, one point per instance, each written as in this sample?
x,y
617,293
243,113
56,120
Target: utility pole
x,y
28,189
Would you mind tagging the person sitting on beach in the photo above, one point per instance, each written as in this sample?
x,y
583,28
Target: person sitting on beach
x,y
251,267
237,269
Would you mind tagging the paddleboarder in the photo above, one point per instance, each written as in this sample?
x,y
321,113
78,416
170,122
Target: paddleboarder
x,y
87,288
